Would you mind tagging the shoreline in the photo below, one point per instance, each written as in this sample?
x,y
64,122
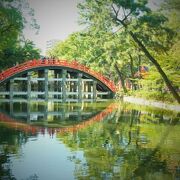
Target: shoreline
x,y
152,103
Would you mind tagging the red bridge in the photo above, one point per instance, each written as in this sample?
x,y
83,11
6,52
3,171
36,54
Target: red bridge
x,y
89,84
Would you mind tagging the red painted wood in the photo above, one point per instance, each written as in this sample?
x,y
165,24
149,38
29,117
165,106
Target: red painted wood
x,y
51,62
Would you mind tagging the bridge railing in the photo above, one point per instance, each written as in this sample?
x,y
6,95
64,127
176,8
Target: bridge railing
x,y
53,62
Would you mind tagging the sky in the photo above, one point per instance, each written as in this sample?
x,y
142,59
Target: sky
x,y
57,19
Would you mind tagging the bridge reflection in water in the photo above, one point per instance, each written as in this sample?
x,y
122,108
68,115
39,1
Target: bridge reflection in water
x,y
117,140
38,117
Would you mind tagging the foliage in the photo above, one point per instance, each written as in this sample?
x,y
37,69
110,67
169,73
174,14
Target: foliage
x,y
20,53
153,85
13,48
107,42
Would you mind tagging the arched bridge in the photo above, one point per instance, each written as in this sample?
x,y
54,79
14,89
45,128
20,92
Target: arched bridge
x,y
55,80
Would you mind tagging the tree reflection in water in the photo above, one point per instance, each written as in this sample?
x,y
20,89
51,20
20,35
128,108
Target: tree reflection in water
x,y
128,144
10,142
118,142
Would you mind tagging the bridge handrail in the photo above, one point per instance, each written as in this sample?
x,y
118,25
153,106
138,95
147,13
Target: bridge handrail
x,y
54,62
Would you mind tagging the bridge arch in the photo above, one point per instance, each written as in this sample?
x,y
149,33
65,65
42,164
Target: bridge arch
x,y
84,81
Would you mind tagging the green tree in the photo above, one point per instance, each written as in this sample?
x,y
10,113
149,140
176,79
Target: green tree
x,y
12,22
18,54
168,60
134,17
95,51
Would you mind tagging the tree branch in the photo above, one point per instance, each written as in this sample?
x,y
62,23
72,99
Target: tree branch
x,y
116,12
126,16
6,29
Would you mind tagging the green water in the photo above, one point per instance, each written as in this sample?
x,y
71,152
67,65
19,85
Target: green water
x,y
108,140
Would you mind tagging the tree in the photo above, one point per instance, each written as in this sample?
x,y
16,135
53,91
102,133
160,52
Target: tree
x,y
10,26
18,54
113,14
12,22
97,52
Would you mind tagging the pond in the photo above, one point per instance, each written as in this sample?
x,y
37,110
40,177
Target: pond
x,y
104,140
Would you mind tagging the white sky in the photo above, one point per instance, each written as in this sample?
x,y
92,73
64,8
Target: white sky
x,y
57,19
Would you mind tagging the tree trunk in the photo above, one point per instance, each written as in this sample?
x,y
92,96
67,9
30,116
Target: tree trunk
x,y
131,65
139,62
158,67
139,86
156,64
132,71
120,77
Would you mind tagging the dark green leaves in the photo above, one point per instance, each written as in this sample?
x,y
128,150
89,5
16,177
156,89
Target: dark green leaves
x,y
12,22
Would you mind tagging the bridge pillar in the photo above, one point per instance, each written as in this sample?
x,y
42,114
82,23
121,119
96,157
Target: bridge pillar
x,y
46,84
29,85
11,108
11,89
79,110
89,85
40,83
79,87
64,73
7,88
84,90
57,88
28,108
46,114
94,90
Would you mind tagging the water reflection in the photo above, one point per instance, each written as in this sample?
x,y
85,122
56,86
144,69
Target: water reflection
x,y
89,141
36,117
128,144
50,113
